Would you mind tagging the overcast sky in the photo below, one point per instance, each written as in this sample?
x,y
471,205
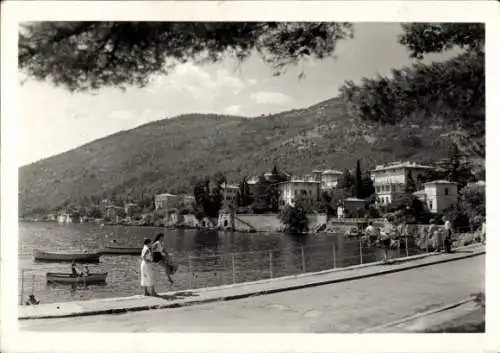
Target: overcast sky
x,y
54,120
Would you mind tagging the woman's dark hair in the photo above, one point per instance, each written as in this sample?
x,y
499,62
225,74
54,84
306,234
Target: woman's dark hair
x,y
147,241
158,237
370,223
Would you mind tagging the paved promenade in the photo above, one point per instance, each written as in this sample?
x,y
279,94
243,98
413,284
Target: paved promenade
x,y
347,306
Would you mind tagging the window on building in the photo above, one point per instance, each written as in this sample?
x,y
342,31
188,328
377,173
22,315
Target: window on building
x,y
446,192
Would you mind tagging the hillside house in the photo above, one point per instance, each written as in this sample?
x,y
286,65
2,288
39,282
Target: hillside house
x,y
131,208
165,202
330,178
438,195
112,212
299,188
390,179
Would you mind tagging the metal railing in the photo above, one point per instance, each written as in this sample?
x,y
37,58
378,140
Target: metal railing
x,y
198,271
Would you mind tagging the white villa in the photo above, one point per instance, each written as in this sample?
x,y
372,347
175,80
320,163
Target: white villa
x,y
165,201
330,178
438,195
390,179
296,188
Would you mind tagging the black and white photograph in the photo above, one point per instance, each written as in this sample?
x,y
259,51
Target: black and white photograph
x,y
254,177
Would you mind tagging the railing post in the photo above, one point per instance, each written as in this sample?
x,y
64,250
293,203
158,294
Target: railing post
x,y
33,284
190,274
406,245
271,264
22,288
360,253
334,256
234,269
303,260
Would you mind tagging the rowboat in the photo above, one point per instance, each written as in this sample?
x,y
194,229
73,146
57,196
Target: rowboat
x,y
115,250
81,257
68,278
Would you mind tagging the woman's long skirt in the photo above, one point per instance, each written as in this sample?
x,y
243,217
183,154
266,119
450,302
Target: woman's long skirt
x,y
147,274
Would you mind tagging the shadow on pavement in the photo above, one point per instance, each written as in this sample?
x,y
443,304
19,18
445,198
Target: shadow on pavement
x,y
177,295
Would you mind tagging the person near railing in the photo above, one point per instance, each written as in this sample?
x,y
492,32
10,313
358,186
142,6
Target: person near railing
x,y
74,271
161,256
448,232
371,234
385,239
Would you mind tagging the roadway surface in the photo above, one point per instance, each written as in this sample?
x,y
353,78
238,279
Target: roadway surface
x,y
346,307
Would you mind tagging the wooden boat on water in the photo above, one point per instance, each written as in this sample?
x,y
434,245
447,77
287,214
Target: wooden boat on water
x,y
116,250
68,278
80,257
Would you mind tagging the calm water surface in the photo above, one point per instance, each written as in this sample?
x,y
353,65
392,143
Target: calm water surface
x,y
205,258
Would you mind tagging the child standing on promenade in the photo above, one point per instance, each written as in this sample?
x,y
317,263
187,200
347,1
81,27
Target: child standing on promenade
x,y
161,256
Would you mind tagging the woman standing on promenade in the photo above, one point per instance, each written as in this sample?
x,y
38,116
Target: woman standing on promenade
x,y
161,256
431,236
147,274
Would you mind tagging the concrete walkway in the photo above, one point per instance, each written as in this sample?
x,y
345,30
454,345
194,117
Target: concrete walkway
x,y
345,307
428,319
239,291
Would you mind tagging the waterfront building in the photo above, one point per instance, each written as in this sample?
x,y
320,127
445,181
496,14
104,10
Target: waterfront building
x,y
390,179
229,194
438,195
130,208
165,201
352,205
299,188
112,212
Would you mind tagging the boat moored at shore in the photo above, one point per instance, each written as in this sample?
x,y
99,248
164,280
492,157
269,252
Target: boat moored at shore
x,y
80,257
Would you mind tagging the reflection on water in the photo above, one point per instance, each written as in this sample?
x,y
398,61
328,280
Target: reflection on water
x,y
206,258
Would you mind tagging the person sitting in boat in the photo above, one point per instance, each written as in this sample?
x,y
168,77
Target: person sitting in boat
x,y
32,300
86,271
161,256
74,270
